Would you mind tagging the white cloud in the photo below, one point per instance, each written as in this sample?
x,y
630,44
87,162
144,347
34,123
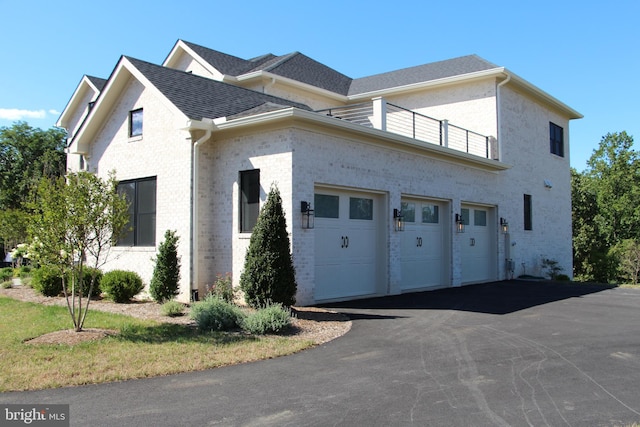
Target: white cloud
x,y
16,114
54,112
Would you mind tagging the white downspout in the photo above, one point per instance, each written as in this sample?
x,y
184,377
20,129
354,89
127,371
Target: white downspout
x,y
194,207
507,236
499,108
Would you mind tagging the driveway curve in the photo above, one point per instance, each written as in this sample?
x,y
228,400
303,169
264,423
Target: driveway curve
x,y
511,353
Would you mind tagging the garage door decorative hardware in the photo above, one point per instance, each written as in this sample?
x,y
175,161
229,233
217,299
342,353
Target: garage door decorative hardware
x,y
345,241
419,242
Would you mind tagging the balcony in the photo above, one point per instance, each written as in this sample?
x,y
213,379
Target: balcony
x,y
379,114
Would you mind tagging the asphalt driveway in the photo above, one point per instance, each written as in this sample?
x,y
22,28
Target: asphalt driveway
x,y
506,354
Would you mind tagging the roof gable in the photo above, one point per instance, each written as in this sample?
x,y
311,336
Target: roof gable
x,y
198,97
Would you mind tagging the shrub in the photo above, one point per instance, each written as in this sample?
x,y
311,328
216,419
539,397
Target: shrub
x,y
268,274
551,267
563,278
47,280
6,274
120,285
215,314
270,319
25,271
86,282
172,308
222,288
7,284
166,273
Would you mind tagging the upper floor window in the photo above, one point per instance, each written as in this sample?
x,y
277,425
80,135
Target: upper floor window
x,y
135,122
556,139
249,199
141,195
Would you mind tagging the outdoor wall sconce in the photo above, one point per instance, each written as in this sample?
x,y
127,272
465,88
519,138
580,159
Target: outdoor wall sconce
x,y
459,224
504,225
307,215
398,220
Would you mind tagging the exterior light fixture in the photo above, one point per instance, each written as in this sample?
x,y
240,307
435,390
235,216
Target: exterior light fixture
x,y
504,225
307,215
459,224
398,220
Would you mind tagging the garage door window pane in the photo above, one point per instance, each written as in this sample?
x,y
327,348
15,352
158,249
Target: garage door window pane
x,y
480,218
464,213
408,211
327,206
360,208
430,214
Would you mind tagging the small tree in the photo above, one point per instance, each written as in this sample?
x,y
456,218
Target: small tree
x,y
166,273
269,276
75,222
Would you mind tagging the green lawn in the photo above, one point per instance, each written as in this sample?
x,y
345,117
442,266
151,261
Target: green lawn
x,y
141,349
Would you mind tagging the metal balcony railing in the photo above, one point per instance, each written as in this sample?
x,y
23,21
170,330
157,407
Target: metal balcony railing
x,y
402,121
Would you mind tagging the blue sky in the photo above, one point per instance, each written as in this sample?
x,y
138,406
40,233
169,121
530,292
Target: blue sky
x,y
586,54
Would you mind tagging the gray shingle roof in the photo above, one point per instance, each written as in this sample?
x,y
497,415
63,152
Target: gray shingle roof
x,y
228,64
198,97
295,66
421,73
300,67
97,82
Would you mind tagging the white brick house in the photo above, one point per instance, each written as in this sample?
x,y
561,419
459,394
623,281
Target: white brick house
x,y
198,141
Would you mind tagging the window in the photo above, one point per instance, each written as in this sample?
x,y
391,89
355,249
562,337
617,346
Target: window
x,y
556,139
408,211
528,223
141,195
327,206
464,214
135,123
480,218
360,208
430,214
249,199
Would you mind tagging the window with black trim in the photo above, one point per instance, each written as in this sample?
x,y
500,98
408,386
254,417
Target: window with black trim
x,y
249,199
141,195
556,139
528,215
135,123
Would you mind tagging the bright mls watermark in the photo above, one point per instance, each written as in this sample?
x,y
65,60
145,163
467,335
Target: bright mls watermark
x,y
35,415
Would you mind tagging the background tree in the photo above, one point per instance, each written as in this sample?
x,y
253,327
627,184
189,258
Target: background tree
x,y
26,155
269,276
164,284
75,222
606,207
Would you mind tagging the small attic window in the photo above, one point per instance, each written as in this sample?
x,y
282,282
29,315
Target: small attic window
x,y
135,122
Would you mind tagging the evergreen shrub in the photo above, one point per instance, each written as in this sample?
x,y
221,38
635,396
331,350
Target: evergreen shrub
x,y
269,275
164,284
47,281
120,285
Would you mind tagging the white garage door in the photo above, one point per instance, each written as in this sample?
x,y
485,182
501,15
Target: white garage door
x,y
424,247
478,244
347,244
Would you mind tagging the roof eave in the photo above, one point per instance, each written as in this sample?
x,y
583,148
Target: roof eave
x,y
543,96
266,75
478,75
